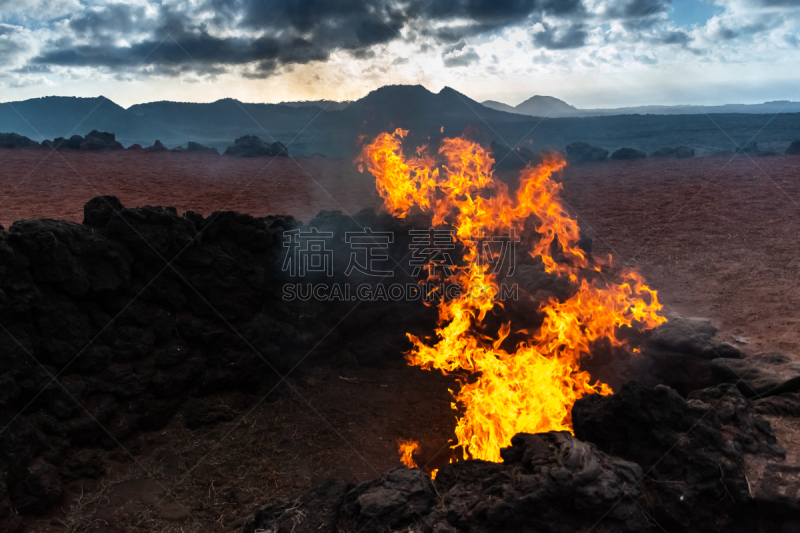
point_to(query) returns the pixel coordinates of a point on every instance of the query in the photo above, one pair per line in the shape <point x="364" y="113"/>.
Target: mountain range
<point x="548" y="106"/>
<point x="334" y="129"/>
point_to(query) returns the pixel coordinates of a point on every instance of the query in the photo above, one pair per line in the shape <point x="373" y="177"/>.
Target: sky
<point x="590" y="53"/>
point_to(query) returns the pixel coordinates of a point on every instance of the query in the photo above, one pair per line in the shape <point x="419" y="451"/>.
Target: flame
<point x="533" y="388"/>
<point x="407" y="449"/>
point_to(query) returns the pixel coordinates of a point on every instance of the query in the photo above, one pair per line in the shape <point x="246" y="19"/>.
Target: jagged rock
<point x="628" y="153"/>
<point x="100" y="140"/>
<point x="14" y="140"/>
<point x="761" y="375"/>
<point x="251" y="146"/>
<point x="39" y="489"/>
<point x="153" y="234"/>
<point x="580" y="152"/>
<point x="396" y="500"/>
<point x="692" y="450"/>
<point x="171" y="355"/>
<point x="199" y="148"/>
<point x="70" y="257"/>
<point x="98" y="210"/>
<point x="158" y="146"/>
<point x="60" y="143"/>
<point x="681" y="152"/>
<point x="546" y="482"/>
<point x="786" y="404"/>
<point x="131" y="343"/>
<point x="794" y="148"/>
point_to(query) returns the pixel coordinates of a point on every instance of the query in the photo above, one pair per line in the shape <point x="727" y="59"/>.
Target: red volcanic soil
<point x="42" y="184"/>
<point x="717" y="237"/>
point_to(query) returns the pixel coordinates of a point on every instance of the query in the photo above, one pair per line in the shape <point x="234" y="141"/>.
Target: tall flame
<point x="407" y="449"/>
<point x="534" y="388"/>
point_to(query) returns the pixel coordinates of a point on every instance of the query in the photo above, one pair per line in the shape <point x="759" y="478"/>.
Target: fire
<point x="407" y="449"/>
<point x="533" y="388"/>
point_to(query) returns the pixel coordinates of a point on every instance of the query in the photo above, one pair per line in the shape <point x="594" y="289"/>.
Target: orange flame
<point x="532" y="389"/>
<point x="407" y="449"/>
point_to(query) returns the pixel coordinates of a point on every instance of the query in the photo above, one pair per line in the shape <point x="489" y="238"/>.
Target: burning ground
<point x="174" y="363"/>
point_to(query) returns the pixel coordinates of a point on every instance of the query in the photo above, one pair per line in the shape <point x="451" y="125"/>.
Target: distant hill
<point x="327" y="105"/>
<point x="548" y="106"/>
<point x="338" y="130"/>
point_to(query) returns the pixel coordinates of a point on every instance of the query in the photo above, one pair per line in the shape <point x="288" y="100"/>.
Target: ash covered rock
<point x="760" y="375"/>
<point x="546" y="482"/>
<point x="693" y="451"/>
<point x="786" y="404"/>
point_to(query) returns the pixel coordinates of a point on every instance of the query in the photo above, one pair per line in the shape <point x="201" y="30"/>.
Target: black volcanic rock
<point x="98" y="210"/>
<point x="693" y="450"/>
<point x="100" y="140"/>
<point x="39" y="489"/>
<point x="628" y="153"/>
<point x="199" y="148"/>
<point x="794" y="148"/>
<point x="546" y="482"/>
<point x="14" y="140"/>
<point x="580" y="152"/>
<point x="251" y="146"/>
<point x="158" y="146"/>
<point x="60" y="143"/>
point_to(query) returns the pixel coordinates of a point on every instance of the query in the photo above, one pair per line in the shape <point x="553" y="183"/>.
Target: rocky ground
<point x="198" y="439"/>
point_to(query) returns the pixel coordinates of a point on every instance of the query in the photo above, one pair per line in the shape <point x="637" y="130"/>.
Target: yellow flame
<point x="407" y="449"/>
<point x="532" y="389"/>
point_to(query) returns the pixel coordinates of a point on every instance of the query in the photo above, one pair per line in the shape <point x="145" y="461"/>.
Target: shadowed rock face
<point x="794" y="148"/>
<point x="692" y="450"/>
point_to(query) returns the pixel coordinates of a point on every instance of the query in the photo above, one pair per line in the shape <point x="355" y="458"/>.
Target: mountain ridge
<point x="428" y="116"/>
<point x="549" y="106"/>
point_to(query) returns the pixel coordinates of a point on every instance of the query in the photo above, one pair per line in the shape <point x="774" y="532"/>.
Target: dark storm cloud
<point x="573" y="36"/>
<point x="487" y="16"/>
<point x="266" y="34"/>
